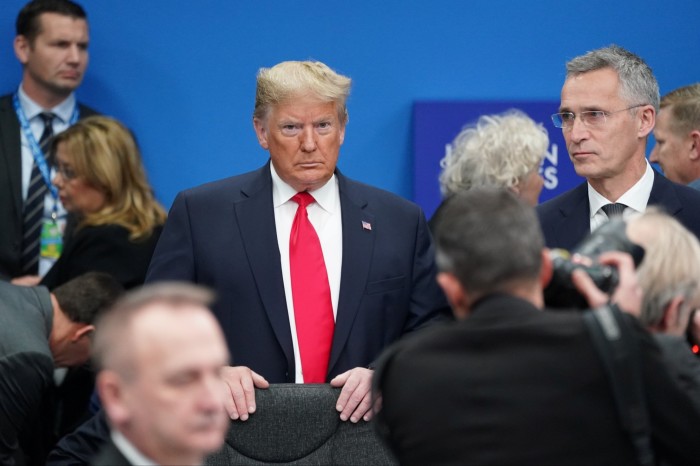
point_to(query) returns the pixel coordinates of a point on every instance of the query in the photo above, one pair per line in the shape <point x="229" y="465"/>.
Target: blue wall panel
<point x="181" y="74"/>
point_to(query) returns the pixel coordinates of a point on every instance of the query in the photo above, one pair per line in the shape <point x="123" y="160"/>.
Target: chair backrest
<point x="298" y="424"/>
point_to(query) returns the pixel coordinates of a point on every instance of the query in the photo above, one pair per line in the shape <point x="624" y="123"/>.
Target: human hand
<point x="627" y="295"/>
<point x="239" y="390"/>
<point x="26" y="280"/>
<point x="355" y="400"/>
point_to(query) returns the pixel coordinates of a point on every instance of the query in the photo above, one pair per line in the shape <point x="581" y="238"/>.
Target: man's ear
<point x="456" y="295"/>
<point x="21" y="46"/>
<point x="671" y="322"/>
<point x="110" y="387"/>
<point x="546" y="269"/>
<point x="261" y="132"/>
<point x="81" y="332"/>
<point x="647" y="120"/>
<point x="695" y="145"/>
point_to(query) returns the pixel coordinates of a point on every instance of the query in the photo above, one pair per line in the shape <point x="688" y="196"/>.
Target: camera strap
<point x="619" y="351"/>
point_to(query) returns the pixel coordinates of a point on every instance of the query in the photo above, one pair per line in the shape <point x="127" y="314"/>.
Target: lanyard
<point x="37" y="153"/>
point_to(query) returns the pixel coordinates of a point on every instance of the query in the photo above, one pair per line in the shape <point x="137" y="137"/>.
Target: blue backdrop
<point x="181" y="74"/>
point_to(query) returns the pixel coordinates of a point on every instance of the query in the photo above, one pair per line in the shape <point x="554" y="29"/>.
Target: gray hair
<point x="488" y="239"/>
<point x="671" y="264"/>
<point x="298" y="78"/>
<point x="498" y="150"/>
<point x="637" y="82"/>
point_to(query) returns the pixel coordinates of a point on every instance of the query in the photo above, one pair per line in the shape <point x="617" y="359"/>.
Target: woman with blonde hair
<point x="102" y="183"/>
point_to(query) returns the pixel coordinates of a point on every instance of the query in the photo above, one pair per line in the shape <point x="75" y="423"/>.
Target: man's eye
<point x="289" y="129"/>
<point x="567" y="117"/>
<point x="596" y="114"/>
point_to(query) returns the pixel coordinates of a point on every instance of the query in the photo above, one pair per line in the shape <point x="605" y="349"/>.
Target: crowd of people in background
<point x="439" y="332"/>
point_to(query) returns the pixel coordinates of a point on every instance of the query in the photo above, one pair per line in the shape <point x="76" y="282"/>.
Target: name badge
<point x="51" y="240"/>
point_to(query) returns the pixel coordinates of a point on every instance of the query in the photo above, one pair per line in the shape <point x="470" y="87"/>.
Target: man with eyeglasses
<point x="608" y="108"/>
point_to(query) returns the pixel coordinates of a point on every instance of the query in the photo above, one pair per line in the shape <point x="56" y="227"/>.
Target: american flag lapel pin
<point x="366" y="226"/>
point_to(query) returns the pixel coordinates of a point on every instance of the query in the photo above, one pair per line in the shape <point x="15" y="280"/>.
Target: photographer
<point x="669" y="276"/>
<point x="668" y="272"/>
<point x="508" y="383"/>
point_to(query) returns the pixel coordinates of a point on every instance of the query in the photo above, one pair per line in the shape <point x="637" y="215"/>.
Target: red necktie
<point x="313" y="311"/>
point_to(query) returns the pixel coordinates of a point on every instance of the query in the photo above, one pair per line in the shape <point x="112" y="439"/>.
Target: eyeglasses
<point x="590" y="118"/>
<point x="66" y="172"/>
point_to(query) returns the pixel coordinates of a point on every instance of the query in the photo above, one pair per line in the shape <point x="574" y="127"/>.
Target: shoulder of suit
<point x="86" y="111"/>
<point x="364" y="192"/>
<point x="563" y="199"/>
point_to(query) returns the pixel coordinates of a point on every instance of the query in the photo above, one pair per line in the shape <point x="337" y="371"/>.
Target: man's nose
<point x="308" y="140"/>
<point x="578" y="130"/>
<point x="74" y="54"/>
<point x="654" y="156"/>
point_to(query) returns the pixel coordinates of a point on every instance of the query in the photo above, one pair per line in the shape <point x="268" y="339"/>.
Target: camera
<point x="611" y="236"/>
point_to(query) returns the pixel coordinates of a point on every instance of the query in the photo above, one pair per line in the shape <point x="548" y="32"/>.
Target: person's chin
<point x="208" y="442"/>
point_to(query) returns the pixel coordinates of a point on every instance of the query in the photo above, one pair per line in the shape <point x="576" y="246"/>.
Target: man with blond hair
<point x="677" y="134"/>
<point x="242" y="236"/>
<point x="315" y="274"/>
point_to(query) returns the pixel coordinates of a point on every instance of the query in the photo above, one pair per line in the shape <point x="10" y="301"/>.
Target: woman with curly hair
<point x="503" y="150"/>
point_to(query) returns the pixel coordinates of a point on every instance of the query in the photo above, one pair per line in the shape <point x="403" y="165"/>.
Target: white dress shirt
<point x="636" y="199"/>
<point x="326" y="218"/>
<point x="129" y="451"/>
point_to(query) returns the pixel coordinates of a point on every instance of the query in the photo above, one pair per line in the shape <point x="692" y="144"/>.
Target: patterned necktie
<point x="313" y="311"/>
<point x="613" y="210"/>
<point x="33" y="211"/>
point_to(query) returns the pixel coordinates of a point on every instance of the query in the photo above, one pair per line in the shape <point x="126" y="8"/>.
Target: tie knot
<point x="303" y="199"/>
<point x="612" y="210"/>
<point x="47" y="118"/>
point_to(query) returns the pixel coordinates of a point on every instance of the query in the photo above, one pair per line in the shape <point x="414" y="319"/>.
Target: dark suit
<point x="11" y="202"/>
<point x="26" y="373"/>
<point x="512" y="384"/>
<point x="565" y="219"/>
<point x="110" y="455"/>
<point x="103" y="248"/>
<point x="223" y="235"/>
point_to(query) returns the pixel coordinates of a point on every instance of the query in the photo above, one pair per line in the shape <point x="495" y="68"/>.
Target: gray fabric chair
<point x="298" y="424"/>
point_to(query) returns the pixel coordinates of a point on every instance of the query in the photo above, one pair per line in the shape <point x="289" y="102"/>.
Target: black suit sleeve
<point x="80" y="447"/>
<point x="24" y="380"/>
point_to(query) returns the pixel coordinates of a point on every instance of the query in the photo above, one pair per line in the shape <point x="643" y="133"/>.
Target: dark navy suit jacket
<point x="565" y="219"/>
<point x="223" y="235"/>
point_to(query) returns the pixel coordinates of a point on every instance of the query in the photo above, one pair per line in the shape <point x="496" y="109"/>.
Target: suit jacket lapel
<point x="10" y="148"/>
<point x="256" y="222"/>
<point x="575" y="221"/>
<point x="358" y="245"/>
<point x="662" y="193"/>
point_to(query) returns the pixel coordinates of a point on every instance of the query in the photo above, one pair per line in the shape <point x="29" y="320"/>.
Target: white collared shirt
<point x="636" y="199"/>
<point x="326" y="218"/>
<point x="32" y="110"/>
<point x="129" y="451"/>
